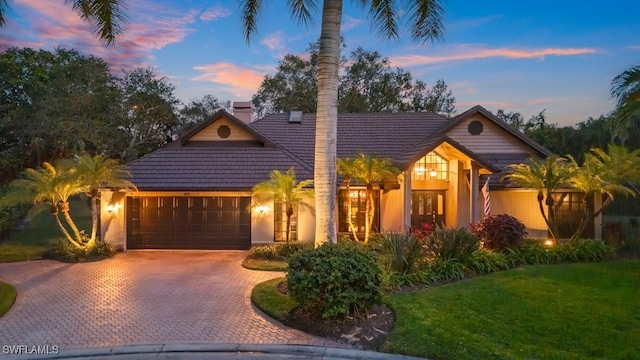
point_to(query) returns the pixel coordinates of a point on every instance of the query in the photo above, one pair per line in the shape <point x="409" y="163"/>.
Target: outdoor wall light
<point x="262" y="209"/>
<point x="111" y="207"/>
<point x="433" y="173"/>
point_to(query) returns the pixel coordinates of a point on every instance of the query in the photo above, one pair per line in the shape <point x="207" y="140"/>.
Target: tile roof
<point x="216" y="167"/>
<point x="186" y="165"/>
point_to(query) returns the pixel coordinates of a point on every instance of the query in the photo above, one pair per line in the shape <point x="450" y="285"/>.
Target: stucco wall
<point x="523" y="205"/>
<point x="392" y="210"/>
<point x="112" y="224"/>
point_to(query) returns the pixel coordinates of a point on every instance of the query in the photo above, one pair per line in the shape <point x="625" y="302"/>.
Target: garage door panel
<point x="188" y="222"/>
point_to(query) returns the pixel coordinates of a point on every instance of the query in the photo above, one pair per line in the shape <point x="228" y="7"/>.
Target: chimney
<point x="243" y="111"/>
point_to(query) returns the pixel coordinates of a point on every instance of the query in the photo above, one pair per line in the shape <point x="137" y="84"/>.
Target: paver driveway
<point x="140" y="297"/>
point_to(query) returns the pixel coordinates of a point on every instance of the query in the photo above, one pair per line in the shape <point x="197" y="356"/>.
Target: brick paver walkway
<point x="140" y="297"/>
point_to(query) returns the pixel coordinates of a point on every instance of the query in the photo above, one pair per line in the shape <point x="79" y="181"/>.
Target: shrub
<point x="335" y="279"/>
<point x="10" y="213"/>
<point x="499" y="232"/>
<point x="448" y="269"/>
<point x="587" y="250"/>
<point x="452" y="243"/>
<point x="484" y="261"/>
<point x="534" y="252"/>
<point x="278" y="252"/>
<point x="62" y="250"/>
<point x="399" y="251"/>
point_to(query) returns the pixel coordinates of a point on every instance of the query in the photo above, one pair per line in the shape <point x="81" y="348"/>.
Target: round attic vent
<point x="475" y="127"/>
<point x="224" y="131"/>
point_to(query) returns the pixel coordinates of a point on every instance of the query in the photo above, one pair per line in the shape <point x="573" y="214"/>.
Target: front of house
<point x="195" y="193"/>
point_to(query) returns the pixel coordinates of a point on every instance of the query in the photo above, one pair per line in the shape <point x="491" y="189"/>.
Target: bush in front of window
<point x="499" y="232"/>
<point x="278" y="252"/>
<point x="335" y="279"/>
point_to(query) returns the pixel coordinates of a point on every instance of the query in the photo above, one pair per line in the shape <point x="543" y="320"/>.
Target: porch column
<point x="474" y="181"/>
<point x="407" y="200"/>
<point x="597" y="221"/>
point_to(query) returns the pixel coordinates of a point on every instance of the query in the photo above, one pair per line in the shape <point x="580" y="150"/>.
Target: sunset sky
<point x="558" y="55"/>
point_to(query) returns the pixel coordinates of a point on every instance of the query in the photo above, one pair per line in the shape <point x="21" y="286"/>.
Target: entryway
<point x="427" y="206"/>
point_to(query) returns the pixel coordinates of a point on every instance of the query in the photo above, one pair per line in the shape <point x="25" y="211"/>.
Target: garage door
<point x="159" y="222"/>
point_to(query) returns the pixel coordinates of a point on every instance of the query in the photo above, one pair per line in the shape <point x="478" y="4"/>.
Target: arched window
<point x="431" y="167"/>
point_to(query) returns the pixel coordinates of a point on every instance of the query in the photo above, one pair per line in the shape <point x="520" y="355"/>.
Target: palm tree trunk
<point x="94" y="221"/>
<point x="589" y="218"/>
<point x="289" y="214"/>
<point x="63" y="229"/>
<point x="349" y="211"/>
<point x="371" y="211"/>
<point x="65" y="212"/>
<point x="327" y="123"/>
<point x="546" y="219"/>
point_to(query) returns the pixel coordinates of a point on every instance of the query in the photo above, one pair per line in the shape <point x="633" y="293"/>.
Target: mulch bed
<point x="367" y="332"/>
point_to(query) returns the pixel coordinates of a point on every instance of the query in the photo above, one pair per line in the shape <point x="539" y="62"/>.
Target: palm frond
<point x="383" y="15"/>
<point x="105" y="16"/>
<point x="4" y="8"/>
<point x="301" y="10"/>
<point x="250" y="9"/>
<point x="425" y="19"/>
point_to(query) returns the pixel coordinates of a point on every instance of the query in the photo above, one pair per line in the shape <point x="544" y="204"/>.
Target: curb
<point x="238" y="351"/>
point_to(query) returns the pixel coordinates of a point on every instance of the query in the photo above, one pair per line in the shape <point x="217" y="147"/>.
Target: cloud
<point x="215" y="13"/>
<point x="469" y="52"/>
<point x="486" y="103"/>
<point x="541" y="101"/>
<point x="242" y="82"/>
<point x="274" y="41"/>
<point x="634" y="47"/>
<point x="53" y="24"/>
<point x="350" y="22"/>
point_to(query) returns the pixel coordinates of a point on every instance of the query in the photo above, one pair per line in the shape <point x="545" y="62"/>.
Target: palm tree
<point x="96" y="172"/>
<point x="547" y="176"/>
<point x="425" y="19"/>
<point x="611" y="173"/>
<point x="105" y="16"/>
<point x="370" y="170"/>
<point x="50" y="187"/>
<point x="626" y="89"/>
<point x="348" y="168"/>
<point x="283" y="188"/>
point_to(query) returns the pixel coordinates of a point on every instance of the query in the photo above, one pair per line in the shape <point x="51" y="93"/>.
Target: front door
<point x="427" y="206"/>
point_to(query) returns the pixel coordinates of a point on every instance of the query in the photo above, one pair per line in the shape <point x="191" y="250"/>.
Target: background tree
<point x="547" y="177"/>
<point x="283" y="188"/>
<point x="615" y="172"/>
<point x="371" y="171"/>
<point x="197" y="111"/>
<point x="367" y="83"/>
<point x="105" y="16"/>
<point x="626" y="89"/>
<point x="148" y="117"/>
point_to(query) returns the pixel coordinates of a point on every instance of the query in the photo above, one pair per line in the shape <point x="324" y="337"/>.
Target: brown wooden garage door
<point x="159" y="222"/>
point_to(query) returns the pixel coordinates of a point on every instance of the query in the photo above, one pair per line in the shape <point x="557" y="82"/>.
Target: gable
<point x="222" y="129"/>
<point x="482" y="135"/>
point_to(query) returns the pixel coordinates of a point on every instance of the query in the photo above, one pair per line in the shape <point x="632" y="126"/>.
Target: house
<point x="195" y="193"/>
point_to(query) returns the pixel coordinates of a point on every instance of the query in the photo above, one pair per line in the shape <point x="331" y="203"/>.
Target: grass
<point x="267" y="298"/>
<point x="31" y="242"/>
<point x="567" y="311"/>
<point x="7" y="297"/>
<point x="265" y="265"/>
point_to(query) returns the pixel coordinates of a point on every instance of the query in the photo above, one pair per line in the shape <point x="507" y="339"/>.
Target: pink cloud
<point x="541" y="101"/>
<point x="242" y="81"/>
<point x="471" y="53"/>
<point x="215" y="13"/>
<point x="350" y="22"/>
<point x="274" y="41"/>
<point x="634" y="47"/>
<point x="486" y="103"/>
<point x="56" y="24"/>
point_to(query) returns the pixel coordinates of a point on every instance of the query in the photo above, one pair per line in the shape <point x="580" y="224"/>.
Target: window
<point x="280" y="219"/>
<point x="431" y="167"/>
<point x="356" y="199"/>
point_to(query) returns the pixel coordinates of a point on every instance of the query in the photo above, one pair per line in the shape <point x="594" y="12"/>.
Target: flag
<point x="487" y="198"/>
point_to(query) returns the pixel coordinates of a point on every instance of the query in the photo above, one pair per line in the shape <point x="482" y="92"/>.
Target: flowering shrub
<point x="499" y="232"/>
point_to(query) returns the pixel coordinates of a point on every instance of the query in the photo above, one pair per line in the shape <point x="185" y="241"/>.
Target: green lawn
<point x="568" y="311"/>
<point x="7" y="297"/>
<point x="271" y="301"/>
<point x="265" y="265"/>
<point x="31" y="242"/>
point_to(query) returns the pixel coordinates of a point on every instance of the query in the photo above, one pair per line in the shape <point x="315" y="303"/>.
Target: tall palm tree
<point x="96" y="172"/>
<point x="547" y="176"/>
<point x="106" y="17"/>
<point x="371" y="171"/>
<point x="283" y="188"/>
<point x="50" y="186"/>
<point x="424" y="18"/>
<point x="614" y="172"/>
<point x="626" y="89"/>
